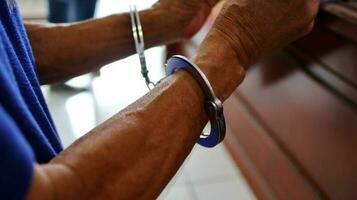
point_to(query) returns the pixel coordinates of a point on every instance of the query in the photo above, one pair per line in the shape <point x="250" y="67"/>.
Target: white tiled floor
<point x="207" y="174"/>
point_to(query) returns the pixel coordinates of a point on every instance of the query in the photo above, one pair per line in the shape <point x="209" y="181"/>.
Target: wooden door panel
<point x="331" y="51"/>
<point x="269" y="171"/>
<point x="315" y="127"/>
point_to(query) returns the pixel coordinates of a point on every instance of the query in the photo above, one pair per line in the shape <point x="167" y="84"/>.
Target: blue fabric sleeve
<point x="16" y="160"/>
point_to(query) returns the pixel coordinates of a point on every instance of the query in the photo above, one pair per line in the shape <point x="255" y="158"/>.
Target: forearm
<point x="66" y="50"/>
<point x="134" y="154"/>
<point x="131" y="156"/>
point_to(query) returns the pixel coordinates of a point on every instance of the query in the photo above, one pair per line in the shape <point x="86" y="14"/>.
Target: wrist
<point x="158" y="29"/>
<point x="220" y="63"/>
<point x="236" y="31"/>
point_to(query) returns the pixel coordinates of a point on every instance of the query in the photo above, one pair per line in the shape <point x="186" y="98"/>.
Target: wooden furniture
<point x="292" y="124"/>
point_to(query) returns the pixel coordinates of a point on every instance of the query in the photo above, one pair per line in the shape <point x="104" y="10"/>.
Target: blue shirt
<point x="27" y="132"/>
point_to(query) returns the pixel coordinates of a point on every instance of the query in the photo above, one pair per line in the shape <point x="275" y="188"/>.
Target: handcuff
<point x="140" y="45"/>
<point x="213" y="106"/>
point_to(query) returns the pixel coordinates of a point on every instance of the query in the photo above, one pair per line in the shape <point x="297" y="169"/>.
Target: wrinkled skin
<point x="253" y="28"/>
<point x="254" y="33"/>
<point x="129" y="156"/>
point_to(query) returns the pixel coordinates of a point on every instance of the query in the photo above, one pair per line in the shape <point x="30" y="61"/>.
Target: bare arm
<point x="64" y="51"/>
<point x="129" y="156"/>
<point x="67" y="50"/>
<point x="132" y="157"/>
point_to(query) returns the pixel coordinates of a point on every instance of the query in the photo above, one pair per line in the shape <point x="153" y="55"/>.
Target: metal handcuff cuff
<point x="213" y="105"/>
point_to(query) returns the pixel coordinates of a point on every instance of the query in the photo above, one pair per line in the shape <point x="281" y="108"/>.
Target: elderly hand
<point x="188" y="15"/>
<point x="257" y="28"/>
<point x="245" y="32"/>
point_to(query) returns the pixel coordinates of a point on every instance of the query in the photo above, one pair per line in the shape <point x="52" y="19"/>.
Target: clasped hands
<point x="253" y="28"/>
